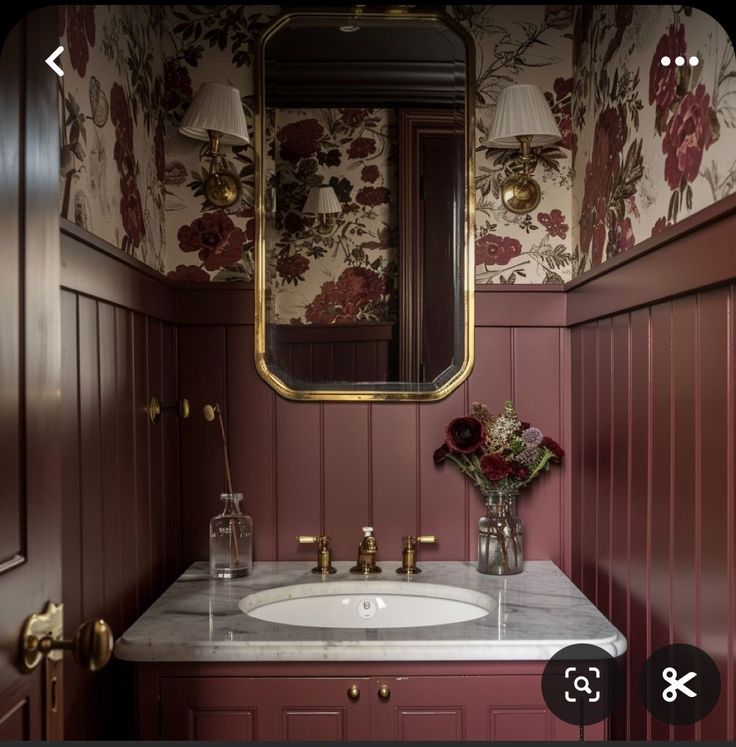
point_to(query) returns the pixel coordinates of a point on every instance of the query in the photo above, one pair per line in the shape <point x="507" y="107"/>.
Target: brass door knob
<point x="384" y="692"/>
<point x="353" y="692"/>
<point x="91" y="646"/>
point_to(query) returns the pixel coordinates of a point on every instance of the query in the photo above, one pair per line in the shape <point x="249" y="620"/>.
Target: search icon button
<point x="582" y="685"/>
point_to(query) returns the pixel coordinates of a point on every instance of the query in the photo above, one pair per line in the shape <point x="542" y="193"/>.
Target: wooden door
<point x="287" y="709"/>
<point x="30" y="555"/>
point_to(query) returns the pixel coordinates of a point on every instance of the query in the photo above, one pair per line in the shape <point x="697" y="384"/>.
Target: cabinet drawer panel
<point x="510" y="724"/>
<point x="219" y="724"/>
<point x="306" y="725"/>
<point x="430" y="724"/>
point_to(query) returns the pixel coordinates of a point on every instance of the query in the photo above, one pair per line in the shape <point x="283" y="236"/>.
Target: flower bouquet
<point x="501" y="455"/>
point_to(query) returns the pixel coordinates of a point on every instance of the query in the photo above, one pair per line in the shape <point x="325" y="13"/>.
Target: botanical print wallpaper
<point x="111" y="101"/>
<point x="349" y="274"/>
<point x="654" y="142"/>
<point x="522" y="44"/>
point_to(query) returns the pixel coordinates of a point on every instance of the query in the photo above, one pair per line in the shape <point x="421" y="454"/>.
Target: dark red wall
<point x="654" y="424"/>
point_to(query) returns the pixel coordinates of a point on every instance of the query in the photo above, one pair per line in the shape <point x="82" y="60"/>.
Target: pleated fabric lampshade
<point x="322" y="200"/>
<point x="523" y="110"/>
<point x="216" y="107"/>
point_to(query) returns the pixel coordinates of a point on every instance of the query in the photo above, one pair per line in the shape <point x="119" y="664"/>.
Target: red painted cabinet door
<point x="263" y="709"/>
<point x="507" y="707"/>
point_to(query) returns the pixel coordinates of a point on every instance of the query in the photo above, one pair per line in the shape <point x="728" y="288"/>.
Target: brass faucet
<point x="367" y="554"/>
<point x="409" y="553"/>
<point x="324" y="560"/>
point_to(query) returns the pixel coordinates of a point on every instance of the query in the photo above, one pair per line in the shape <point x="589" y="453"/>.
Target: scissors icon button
<point x="669" y="674"/>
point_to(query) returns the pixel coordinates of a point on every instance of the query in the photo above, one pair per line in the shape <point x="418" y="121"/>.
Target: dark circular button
<point x="680" y="684"/>
<point x="581" y="684"/>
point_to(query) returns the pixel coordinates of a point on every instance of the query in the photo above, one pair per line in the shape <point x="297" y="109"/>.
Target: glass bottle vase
<point x="231" y="540"/>
<point x="500" y="534"/>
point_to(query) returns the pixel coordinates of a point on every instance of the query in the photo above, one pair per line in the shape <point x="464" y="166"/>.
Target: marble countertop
<point x="535" y="614"/>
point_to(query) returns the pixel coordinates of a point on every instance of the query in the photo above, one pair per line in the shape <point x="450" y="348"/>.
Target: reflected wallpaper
<point x="643" y="145"/>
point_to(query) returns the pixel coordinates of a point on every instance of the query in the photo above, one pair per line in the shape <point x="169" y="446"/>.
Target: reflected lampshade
<point x="322" y="200"/>
<point x="523" y="110"/>
<point x="217" y="108"/>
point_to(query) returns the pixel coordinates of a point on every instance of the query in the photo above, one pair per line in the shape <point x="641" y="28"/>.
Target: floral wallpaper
<point x="522" y="44"/>
<point x="643" y="145"/>
<point x="112" y="123"/>
<point x="654" y="142"/>
<point x="349" y="274"/>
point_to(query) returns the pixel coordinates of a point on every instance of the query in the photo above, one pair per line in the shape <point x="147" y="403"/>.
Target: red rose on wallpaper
<point x="602" y="170"/>
<point x="296" y="222"/>
<point x="373" y="196"/>
<point x="663" y="79"/>
<point x="560" y="102"/>
<point x="131" y="209"/>
<point x="177" y="85"/>
<point x="554" y="222"/>
<point x="496" y="250"/>
<point x="300" y="139"/>
<point x="343" y="188"/>
<point x="189" y="274"/>
<point x="342" y="300"/>
<point x="660" y="225"/>
<point x="80" y="35"/>
<point x="689" y="133"/>
<point x="623" y="236"/>
<point x="292" y="268"/>
<point x="354" y="117"/>
<point x="215" y="237"/>
<point x="361" y="147"/>
<point x="369" y="173"/>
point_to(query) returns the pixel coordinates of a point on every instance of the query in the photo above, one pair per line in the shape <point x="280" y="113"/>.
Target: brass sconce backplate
<point x="520" y="193"/>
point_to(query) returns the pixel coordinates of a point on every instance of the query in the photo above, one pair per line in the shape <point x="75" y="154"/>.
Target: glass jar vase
<point x="500" y="534"/>
<point x="231" y="540"/>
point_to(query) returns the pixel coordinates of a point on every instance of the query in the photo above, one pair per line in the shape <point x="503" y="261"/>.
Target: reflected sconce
<point x="522" y="120"/>
<point x="216" y="115"/>
<point x="322" y="201"/>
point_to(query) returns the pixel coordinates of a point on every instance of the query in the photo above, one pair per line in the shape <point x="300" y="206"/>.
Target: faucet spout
<point x="367" y="549"/>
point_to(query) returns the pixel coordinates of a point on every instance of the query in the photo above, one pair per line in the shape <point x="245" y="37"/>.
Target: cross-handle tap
<point x="367" y="554"/>
<point x="324" y="559"/>
<point x="409" y="553"/>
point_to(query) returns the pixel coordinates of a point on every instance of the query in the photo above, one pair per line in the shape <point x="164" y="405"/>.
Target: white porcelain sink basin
<point x="367" y="604"/>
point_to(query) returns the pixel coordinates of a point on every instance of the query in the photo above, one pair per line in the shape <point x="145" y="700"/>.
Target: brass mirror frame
<point x="385" y="394"/>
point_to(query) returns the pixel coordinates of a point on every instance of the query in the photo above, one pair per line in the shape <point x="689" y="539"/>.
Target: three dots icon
<point x="680" y="61"/>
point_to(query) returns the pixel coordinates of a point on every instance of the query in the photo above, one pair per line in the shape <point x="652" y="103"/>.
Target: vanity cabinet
<point x="304" y="702"/>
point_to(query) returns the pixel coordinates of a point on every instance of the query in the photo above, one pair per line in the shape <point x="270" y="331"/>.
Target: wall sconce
<point x="216" y="114"/>
<point x="522" y="120"/>
<point x="322" y="201"/>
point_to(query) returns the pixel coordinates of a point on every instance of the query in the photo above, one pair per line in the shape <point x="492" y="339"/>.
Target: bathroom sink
<point x="367" y="604"/>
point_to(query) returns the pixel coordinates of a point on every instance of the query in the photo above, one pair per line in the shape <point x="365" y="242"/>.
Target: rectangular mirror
<point x="364" y="240"/>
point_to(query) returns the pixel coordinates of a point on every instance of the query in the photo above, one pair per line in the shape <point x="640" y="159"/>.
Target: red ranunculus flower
<point x="663" y="79"/>
<point x="554" y="222"/>
<point x="689" y="133"/>
<point x="215" y="237"/>
<point x="131" y="209"/>
<point x="361" y="147"/>
<point x="373" y="196"/>
<point x="300" y="139"/>
<point x="189" y="274"/>
<point x="292" y="268"/>
<point x="554" y="447"/>
<point x="495" y="467"/>
<point x="465" y="435"/>
<point x="369" y="173"/>
<point x="496" y="250"/>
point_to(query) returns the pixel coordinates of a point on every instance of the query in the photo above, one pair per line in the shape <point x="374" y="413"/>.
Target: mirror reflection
<point x="365" y="224"/>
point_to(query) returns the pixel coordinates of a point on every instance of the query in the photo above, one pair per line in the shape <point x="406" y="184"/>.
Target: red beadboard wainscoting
<point x="630" y="366"/>
<point x="653" y="450"/>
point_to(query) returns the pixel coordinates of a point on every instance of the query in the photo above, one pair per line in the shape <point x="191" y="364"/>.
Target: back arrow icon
<point x="50" y="61"/>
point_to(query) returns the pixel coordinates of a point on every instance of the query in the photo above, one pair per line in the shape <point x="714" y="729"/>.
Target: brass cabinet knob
<point x="353" y="692"/>
<point x="91" y="646"/>
<point x="384" y="692"/>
